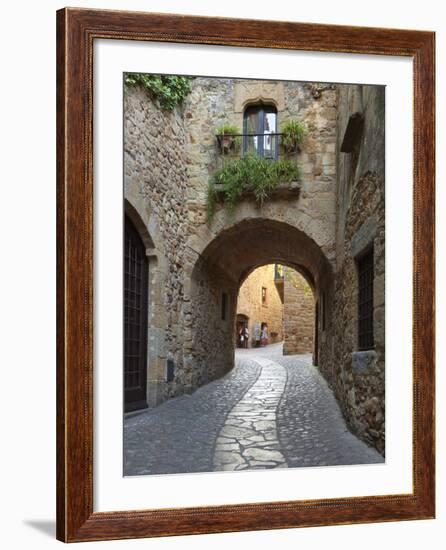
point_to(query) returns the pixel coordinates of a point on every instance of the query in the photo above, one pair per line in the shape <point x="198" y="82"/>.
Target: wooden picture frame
<point x="76" y="31"/>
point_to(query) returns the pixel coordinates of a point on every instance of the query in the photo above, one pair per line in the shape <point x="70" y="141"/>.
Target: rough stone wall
<point x="213" y="102"/>
<point x="155" y="185"/>
<point x="298" y="314"/>
<point x="208" y="330"/>
<point x="313" y="211"/>
<point x="250" y="304"/>
<point x="169" y="157"/>
<point x="205" y="108"/>
<point x="359" y="375"/>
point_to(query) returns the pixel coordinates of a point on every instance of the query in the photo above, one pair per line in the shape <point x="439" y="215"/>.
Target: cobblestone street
<point x="270" y="411"/>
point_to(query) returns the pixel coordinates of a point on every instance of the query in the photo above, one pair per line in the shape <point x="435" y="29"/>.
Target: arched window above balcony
<point x="260" y="131"/>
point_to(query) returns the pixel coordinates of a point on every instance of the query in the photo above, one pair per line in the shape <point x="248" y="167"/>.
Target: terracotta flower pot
<point x="226" y="143"/>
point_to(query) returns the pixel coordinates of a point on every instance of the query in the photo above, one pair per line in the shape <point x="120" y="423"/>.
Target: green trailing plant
<point x="225" y="129"/>
<point x="169" y="90"/>
<point x="248" y="174"/>
<point x="293" y="133"/>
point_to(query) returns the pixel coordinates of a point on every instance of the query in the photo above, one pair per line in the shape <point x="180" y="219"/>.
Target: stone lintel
<point x="246" y="93"/>
<point x="364" y="237"/>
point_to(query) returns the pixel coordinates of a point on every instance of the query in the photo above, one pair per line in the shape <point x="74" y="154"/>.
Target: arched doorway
<point x="241" y="331"/>
<point x="135" y="319"/>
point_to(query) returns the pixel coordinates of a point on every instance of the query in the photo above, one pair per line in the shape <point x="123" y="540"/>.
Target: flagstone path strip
<point x="248" y="438"/>
<point x="179" y="435"/>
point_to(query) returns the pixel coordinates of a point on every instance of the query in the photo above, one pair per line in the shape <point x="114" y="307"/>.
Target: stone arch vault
<point x="219" y="267"/>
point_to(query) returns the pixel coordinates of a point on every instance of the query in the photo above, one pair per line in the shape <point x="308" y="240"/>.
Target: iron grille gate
<point x="135" y="319"/>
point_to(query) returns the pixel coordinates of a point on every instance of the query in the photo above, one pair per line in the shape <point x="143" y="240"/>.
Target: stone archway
<point x="221" y="264"/>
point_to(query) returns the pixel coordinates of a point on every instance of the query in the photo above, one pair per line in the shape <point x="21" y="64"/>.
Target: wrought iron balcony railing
<point x="267" y="145"/>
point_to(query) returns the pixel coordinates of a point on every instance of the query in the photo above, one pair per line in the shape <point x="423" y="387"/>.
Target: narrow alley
<point x="270" y="411"/>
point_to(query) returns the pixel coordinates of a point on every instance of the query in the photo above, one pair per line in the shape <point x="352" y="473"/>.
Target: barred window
<point x="365" y="301"/>
<point x="323" y="311"/>
<point x="224" y="305"/>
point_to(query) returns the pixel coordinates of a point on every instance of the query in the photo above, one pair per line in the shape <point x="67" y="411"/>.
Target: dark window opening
<point x="224" y="305"/>
<point x="365" y="301"/>
<point x="316" y="335"/>
<point x="260" y="131"/>
<point x="170" y="370"/>
<point x="263" y="295"/>
<point x="323" y="311"/>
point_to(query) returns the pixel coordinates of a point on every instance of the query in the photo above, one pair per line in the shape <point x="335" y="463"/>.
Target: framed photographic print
<point x="245" y="275"/>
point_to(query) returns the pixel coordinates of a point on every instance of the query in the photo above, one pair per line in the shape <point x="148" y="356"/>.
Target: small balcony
<point x="265" y="145"/>
<point x="255" y="166"/>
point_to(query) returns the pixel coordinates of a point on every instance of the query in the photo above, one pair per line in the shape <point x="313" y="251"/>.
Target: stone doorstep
<point x="283" y="190"/>
<point x="137" y="412"/>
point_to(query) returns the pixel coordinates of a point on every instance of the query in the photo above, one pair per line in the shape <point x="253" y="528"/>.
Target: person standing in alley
<point x="246" y="332"/>
<point x="257" y="334"/>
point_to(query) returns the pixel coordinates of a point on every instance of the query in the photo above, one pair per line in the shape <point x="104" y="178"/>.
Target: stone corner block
<point x="362" y="361"/>
<point x="364" y="236"/>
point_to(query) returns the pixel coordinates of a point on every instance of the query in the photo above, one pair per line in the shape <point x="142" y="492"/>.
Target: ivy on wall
<point x="169" y="90"/>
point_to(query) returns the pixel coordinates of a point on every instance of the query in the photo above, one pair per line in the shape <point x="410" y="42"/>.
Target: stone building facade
<point x="259" y="301"/>
<point x="298" y="314"/>
<point x="282" y="299"/>
<point x="359" y="374"/>
<point x="196" y="265"/>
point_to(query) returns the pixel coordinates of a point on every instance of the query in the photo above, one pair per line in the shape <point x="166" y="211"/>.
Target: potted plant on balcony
<point x="228" y="137"/>
<point x="292" y="135"/>
<point x="250" y="175"/>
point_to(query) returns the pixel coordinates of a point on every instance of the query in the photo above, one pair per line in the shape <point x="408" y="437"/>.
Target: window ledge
<point x="283" y="190"/>
<point x="363" y="360"/>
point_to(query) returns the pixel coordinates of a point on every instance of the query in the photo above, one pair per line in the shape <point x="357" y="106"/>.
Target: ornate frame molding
<point x="76" y="31"/>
